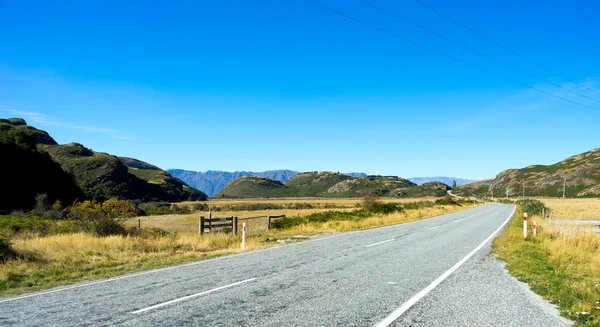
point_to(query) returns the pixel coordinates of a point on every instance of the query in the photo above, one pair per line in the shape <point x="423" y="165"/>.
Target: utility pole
<point x="564" y="190"/>
<point x="523" y="191"/>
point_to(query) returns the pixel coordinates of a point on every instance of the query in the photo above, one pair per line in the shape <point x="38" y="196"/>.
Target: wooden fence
<point x="217" y="224"/>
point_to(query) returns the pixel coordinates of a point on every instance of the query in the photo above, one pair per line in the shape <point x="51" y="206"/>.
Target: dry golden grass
<point x="561" y="264"/>
<point x="317" y="202"/>
<point x="69" y="258"/>
<point x="574" y="209"/>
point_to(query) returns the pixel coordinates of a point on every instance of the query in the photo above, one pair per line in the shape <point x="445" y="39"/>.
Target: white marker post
<point x="525" y="225"/>
<point x="243" y="235"/>
<point x="534" y="229"/>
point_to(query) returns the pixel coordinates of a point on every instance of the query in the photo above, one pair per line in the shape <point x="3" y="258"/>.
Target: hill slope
<point x="328" y="184"/>
<point x="582" y="173"/>
<point x="27" y="171"/>
<point x="37" y="164"/>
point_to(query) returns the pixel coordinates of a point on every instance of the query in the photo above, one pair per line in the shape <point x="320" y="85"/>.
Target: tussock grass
<point x="64" y="259"/>
<point x="562" y="266"/>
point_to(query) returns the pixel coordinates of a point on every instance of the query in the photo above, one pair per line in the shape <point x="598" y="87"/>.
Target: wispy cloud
<point x="44" y="119"/>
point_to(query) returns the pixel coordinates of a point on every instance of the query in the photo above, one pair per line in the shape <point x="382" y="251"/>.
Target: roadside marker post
<point x="244" y="235"/>
<point x="534" y="229"/>
<point x="525" y="225"/>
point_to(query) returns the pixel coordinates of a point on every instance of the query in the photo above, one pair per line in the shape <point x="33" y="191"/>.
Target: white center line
<point x="192" y="296"/>
<point x="434" y="227"/>
<point x="408" y="304"/>
<point x="368" y="246"/>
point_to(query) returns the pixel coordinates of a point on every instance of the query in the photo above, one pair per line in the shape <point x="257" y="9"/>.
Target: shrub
<point x="386" y="208"/>
<point x="533" y="207"/>
<point x="6" y="251"/>
<point x="103" y="219"/>
<point x="200" y="207"/>
<point x="447" y="200"/>
<point x="371" y="201"/>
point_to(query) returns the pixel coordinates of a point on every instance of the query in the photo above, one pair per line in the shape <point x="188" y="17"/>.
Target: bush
<point x="447" y="200"/>
<point x="103" y="219"/>
<point x="533" y="207"/>
<point x="386" y="208"/>
<point x="371" y="201"/>
<point x="6" y="251"/>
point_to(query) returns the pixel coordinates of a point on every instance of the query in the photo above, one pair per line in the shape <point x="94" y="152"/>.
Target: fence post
<point x="534" y="228"/>
<point x="234" y="227"/>
<point x="139" y="224"/>
<point x="525" y="225"/>
<point x="544" y="213"/>
<point x="243" y="235"/>
<point x="268" y="223"/>
<point x="201" y="225"/>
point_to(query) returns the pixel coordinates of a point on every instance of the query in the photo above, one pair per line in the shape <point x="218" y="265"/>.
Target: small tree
<point x="103" y="219"/>
<point x="453" y="184"/>
<point x="42" y="204"/>
<point x="371" y="202"/>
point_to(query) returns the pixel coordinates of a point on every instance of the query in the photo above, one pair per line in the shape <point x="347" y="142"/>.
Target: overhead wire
<point x="446" y="55"/>
<point x="503" y="46"/>
<point x="406" y="20"/>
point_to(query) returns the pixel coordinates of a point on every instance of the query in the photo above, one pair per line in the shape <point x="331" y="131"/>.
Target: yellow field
<point x="574" y="209"/>
<point x="190" y="222"/>
<point x="341" y="202"/>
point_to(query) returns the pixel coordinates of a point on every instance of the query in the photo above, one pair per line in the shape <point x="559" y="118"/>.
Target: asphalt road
<point x="433" y="272"/>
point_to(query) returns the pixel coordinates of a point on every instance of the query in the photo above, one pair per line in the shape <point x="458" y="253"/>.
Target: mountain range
<point x="213" y="181"/>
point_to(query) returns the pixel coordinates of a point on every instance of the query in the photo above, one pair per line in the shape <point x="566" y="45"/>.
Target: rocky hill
<point x="582" y="173"/>
<point x="71" y="171"/>
<point x="329" y="184"/>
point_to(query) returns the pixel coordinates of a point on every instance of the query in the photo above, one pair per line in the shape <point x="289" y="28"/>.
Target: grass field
<point x="574" y="209"/>
<point x="561" y="265"/>
<point x="69" y="258"/>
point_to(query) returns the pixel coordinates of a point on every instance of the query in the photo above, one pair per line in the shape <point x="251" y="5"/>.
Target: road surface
<point x="434" y="272"/>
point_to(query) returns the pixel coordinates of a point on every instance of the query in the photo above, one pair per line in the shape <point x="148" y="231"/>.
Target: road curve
<point x="347" y="279"/>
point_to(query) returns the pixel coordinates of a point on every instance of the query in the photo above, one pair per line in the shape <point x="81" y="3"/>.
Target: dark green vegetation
<point x="582" y="173"/>
<point x="328" y="184"/>
<point x="34" y="163"/>
<point x="28" y="171"/>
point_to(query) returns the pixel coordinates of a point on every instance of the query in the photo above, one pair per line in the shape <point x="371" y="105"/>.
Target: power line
<point x="503" y="46"/>
<point x="474" y="50"/>
<point x="446" y="55"/>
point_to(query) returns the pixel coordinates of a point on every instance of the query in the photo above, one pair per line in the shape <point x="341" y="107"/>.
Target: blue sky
<point x="258" y="85"/>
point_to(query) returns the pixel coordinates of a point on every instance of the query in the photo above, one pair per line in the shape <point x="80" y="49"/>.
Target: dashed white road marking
<point x="192" y="296"/>
<point x="370" y="245"/>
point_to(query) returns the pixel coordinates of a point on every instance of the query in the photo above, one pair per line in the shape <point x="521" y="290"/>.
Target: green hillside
<point x="479" y="188"/>
<point x="28" y="171"/>
<point x="71" y="171"/>
<point x="328" y="184"/>
<point x="582" y="173"/>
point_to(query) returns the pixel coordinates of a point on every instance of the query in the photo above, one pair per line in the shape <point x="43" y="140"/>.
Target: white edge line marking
<point x="408" y="304"/>
<point x="434" y="227"/>
<point x="195" y="263"/>
<point x="191" y="296"/>
<point x="368" y="246"/>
